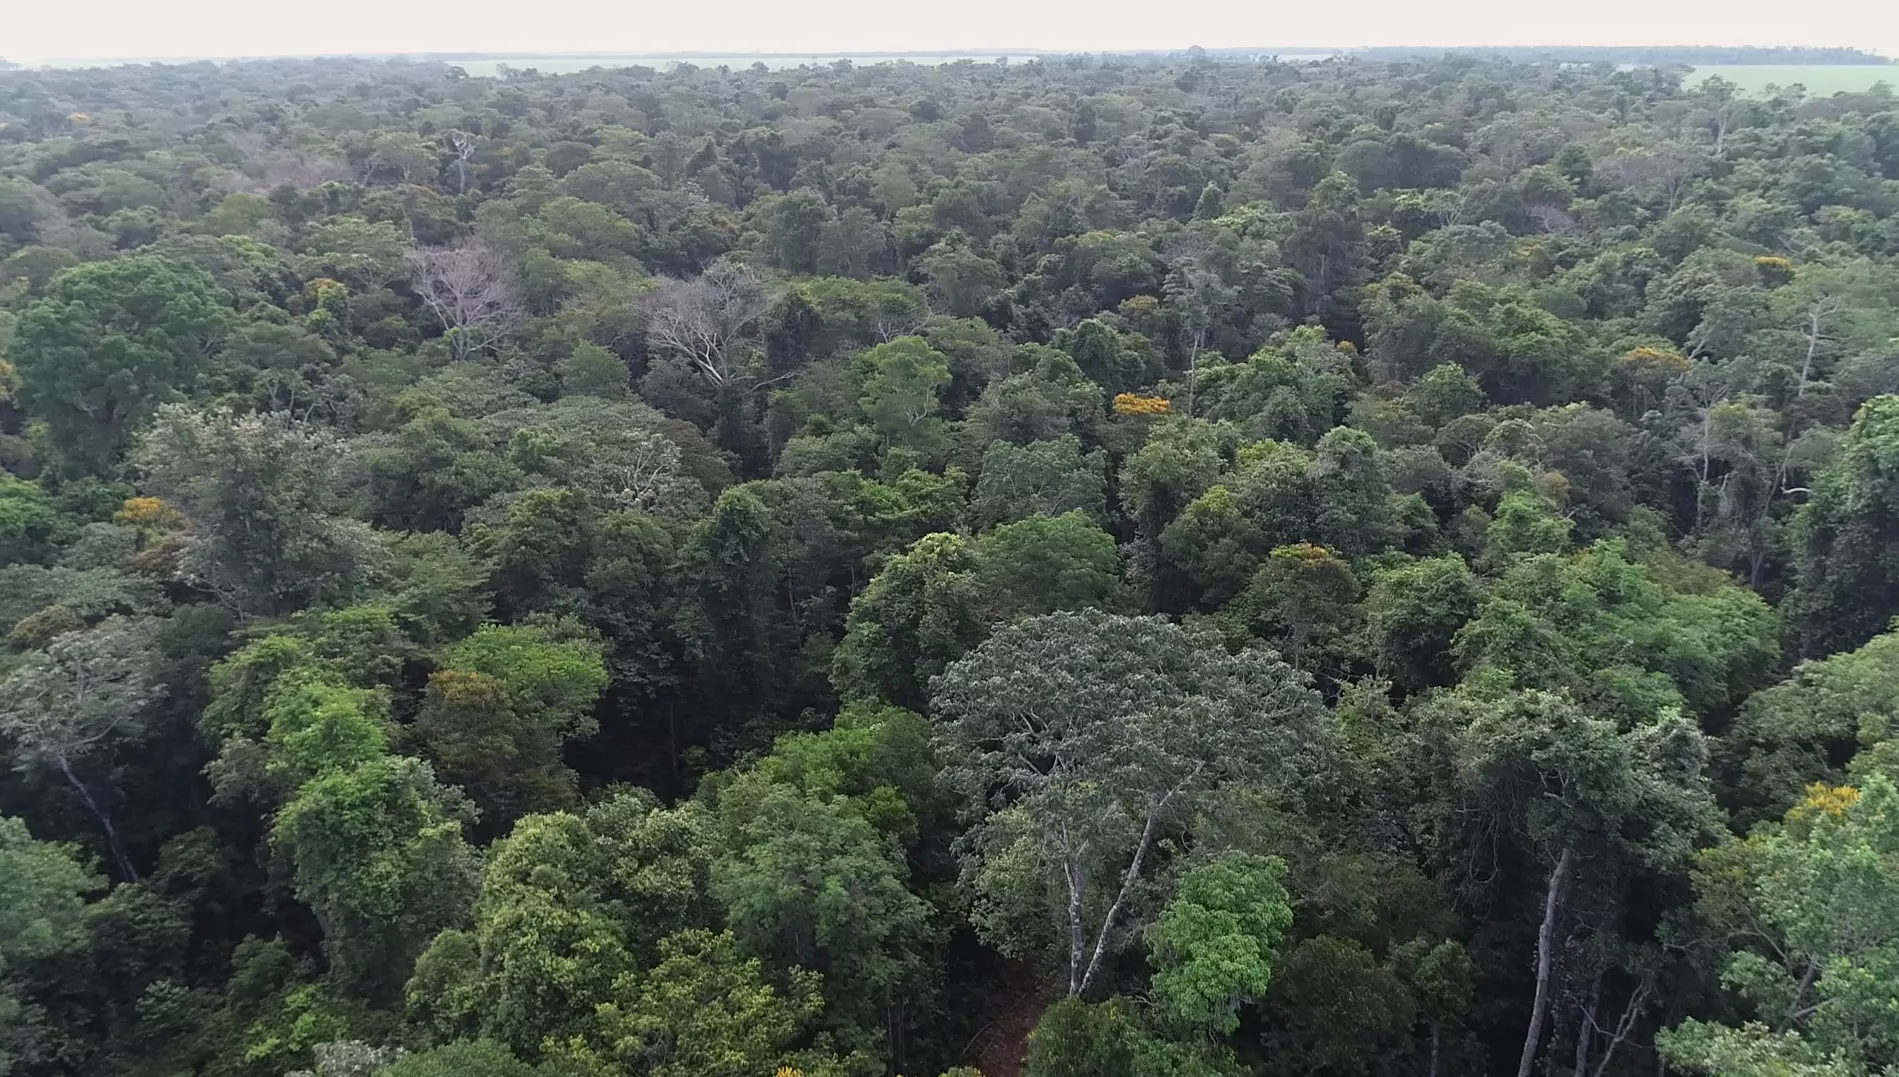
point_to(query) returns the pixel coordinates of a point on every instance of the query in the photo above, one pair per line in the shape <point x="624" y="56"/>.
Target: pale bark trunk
<point x="1545" y="942"/>
<point x="1127" y="886"/>
<point x="1077" y="942"/>
<point x="105" y="821"/>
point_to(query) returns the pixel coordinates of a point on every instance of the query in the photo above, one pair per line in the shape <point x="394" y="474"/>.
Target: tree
<point x="1048" y="563"/>
<point x="1846" y="583"/>
<point x="919" y="614"/>
<point x="1213" y="946"/>
<point x="494" y="721"/>
<point x="1806" y="728"/>
<point x="1049" y="400"/>
<point x="109" y="343"/>
<point x="31" y="525"/>
<point x="1334" y="1008"/>
<point x="811" y="884"/>
<point x="1817" y="910"/>
<point x="379" y="858"/>
<point x="1589" y="801"/>
<point x="593" y="371"/>
<point x="709" y="322"/>
<point x="1043" y="477"/>
<point x="262" y="495"/>
<point x="1085" y="738"/>
<point x="1414" y="612"/>
<point x="470" y="290"/>
<point x="1078" y="1039"/>
<point x="42" y="915"/>
<point x="731" y="573"/>
<point x="318" y="725"/>
<point x="569" y="903"/>
<point x="463" y="1058"/>
<point x="1181" y="461"/>
<point x="799" y="221"/>
<point x="1303" y="601"/>
<point x="1440" y="978"/>
<point x="83" y="692"/>
<point x="552" y="672"/>
<point x="470" y="729"/>
<point x="705" y="1011"/>
<point x="901" y="380"/>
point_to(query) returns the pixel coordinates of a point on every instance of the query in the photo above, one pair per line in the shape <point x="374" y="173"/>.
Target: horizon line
<point x="451" y="55"/>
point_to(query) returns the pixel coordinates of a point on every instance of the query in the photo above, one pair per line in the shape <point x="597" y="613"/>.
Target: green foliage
<point x="317" y="726"/>
<point x="1414" y="612"/>
<point x="42" y="914"/>
<point x="901" y="381"/>
<point x="703" y="1011"/>
<point x="379" y="857"/>
<point x="552" y="681"/>
<point x="810" y="883"/>
<point x="1815" y="909"/>
<point x="1805" y="728"/>
<point x="1042" y="477"/>
<point x="1214" y="944"/>
<point x="1079" y="1039"/>
<point x="787" y="441"/>
<point x="1095" y="753"/>
<point x="1334" y="1009"/>
<point x="917" y="616"/>
<point x="262" y="496"/>
<point x="1847" y="587"/>
<point x="31" y="526"/>
<point x="568" y="904"/>
<point x="593" y="371"/>
<point x="109" y="342"/>
<point x="1047" y="563"/>
<point x="464" y="1058"/>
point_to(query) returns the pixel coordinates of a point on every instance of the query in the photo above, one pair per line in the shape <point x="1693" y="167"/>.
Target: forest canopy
<point x="1089" y="567"/>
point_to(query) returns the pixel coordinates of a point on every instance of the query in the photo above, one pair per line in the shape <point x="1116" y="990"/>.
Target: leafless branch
<point x="470" y="290"/>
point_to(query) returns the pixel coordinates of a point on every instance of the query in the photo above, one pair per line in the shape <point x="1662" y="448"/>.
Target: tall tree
<point x="1846" y="538"/>
<point x="78" y="698"/>
<point x="109" y="343"/>
<point x="263" y="497"/>
<point x="1081" y="740"/>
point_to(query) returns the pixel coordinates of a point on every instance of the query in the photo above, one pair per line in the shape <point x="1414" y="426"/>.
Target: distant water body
<point x="492" y="66"/>
<point x="556" y="65"/>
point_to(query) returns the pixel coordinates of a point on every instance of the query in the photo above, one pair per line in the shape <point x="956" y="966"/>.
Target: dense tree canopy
<point x="1183" y="566"/>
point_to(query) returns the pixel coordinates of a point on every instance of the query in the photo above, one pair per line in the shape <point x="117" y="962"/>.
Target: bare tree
<point x="708" y="321"/>
<point x="470" y="290"/>
<point x="1555" y="220"/>
<point x="1668" y="166"/>
<point x="463" y="145"/>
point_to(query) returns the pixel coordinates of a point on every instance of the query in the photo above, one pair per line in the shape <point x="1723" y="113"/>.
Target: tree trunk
<point x="1127" y="886"/>
<point x="1586" y="1026"/>
<point x="1431" y="1070"/>
<point x="1077" y="941"/>
<point x="112" y="836"/>
<point x="1813" y="345"/>
<point x="1545" y="940"/>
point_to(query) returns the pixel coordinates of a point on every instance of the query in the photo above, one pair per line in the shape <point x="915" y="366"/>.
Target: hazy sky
<point x="35" y="30"/>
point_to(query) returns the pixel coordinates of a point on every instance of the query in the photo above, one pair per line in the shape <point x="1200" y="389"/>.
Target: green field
<point x="1822" y="80"/>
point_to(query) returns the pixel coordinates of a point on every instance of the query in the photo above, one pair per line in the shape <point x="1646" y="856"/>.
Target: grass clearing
<point x="1821" y="80"/>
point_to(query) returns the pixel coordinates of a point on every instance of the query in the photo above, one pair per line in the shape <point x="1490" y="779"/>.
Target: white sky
<point x="38" y="30"/>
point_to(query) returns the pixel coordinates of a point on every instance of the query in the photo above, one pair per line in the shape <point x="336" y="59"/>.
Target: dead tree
<point x="470" y="290"/>
<point x="462" y="145"/>
<point x="708" y="321"/>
